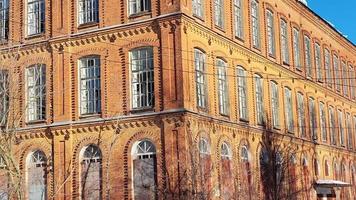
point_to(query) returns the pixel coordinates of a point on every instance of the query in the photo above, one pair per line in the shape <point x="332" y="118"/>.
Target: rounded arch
<point x="36" y="175"/>
<point x="143" y="148"/>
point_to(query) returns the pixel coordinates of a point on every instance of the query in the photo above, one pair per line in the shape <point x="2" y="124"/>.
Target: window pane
<point x="238" y="18"/>
<point x="222" y="87"/>
<point x="35" y="17"/>
<point x="88" y="11"/>
<point x="36" y="92"/>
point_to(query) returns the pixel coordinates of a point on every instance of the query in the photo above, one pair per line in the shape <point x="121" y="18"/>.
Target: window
<point x="349" y="131"/>
<point x="227" y="183"/>
<point x="144" y="170"/>
<point x="319" y="71"/>
<point x="4" y="19"/>
<point x="35" y="17"/>
<point x="352" y="82"/>
<point x="222" y="87"/>
<point x="336" y="171"/>
<point x="238" y="20"/>
<point x="139" y="6"/>
<point x="328" y="67"/>
<point x="245" y="175"/>
<point x="332" y="126"/>
<point x="345" y="77"/>
<point x="270" y="33"/>
<point x="354" y="119"/>
<point x="91" y="175"/>
<point x="296" y="49"/>
<point x="288" y="105"/>
<point x="284" y="42"/>
<point x="36" y="176"/>
<point x="341" y="127"/>
<point x="308" y="63"/>
<point x="316" y="167"/>
<point x="301" y="114"/>
<point x="242" y="92"/>
<point x="337" y="72"/>
<point x="90" y="92"/>
<point x="142" y="78"/>
<point x="88" y="11"/>
<point x="4" y="96"/>
<point x="275" y="104"/>
<point x="36" y="92"/>
<point x="322" y="121"/>
<point x="255" y="24"/>
<point x="259" y="99"/>
<point x="312" y="119"/>
<point x="219" y="13"/>
<point x="205" y="164"/>
<point x="201" y="88"/>
<point x="198" y="8"/>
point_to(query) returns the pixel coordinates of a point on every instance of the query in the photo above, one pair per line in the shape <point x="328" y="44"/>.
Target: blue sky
<point x="341" y="13"/>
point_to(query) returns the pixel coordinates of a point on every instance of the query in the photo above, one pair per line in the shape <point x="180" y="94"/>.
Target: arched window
<point x="316" y="167"/>
<point x="306" y="177"/>
<point x="144" y="170"/>
<point x="336" y="171"/>
<point x="292" y="176"/>
<point x="246" y="178"/>
<point x="36" y="92"/>
<point x="37" y="176"/>
<point x="223" y="92"/>
<point x="255" y="24"/>
<point x="200" y="78"/>
<point x="242" y="90"/>
<point x="205" y="167"/>
<point x="259" y="99"/>
<point x="35" y="17"/>
<point x="91" y="174"/>
<point x="227" y="183"/>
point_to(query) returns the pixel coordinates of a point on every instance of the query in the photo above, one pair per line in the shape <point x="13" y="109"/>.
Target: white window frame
<point x="345" y="78"/>
<point x="301" y="114"/>
<point x="275" y="104"/>
<point x="226" y="153"/>
<point x="312" y="119"/>
<point x="296" y="49"/>
<point x="337" y="73"/>
<point x="89" y="85"/>
<point x="308" y="57"/>
<point x="223" y="92"/>
<point x="284" y="42"/>
<point x="139" y="6"/>
<point x="142" y="78"/>
<point x="271" y="47"/>
<point x="198" y="8"/>
<point x="340" y="120"/>
<point x="238" y="18"/>
<point x="88" y="11"/>
<point x="36" y="92"/>
<point x="200" y="78"/>
<point x="349" y="131"/>
<point x="333" y="130"/>
<point x="288" y="104"/>
<point x="242" y="93"/>
<point x="255" y="24"/>
<point x="219" y="13"/>
<point x="322" y="115"/>
<point x="4" y="19"/>
<point x="319" y="71"/>
<point x="35" y="17"/>
<point x="327" y="61"/>
<point x="259" y="99"/>
<point x="36" y="159"/>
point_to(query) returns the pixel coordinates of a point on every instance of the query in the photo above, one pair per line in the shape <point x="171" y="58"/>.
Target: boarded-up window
<point x="37" y="176"/>
<point x="227" y="183"/>
<point x="91" y="173"/>
<point x="144" y="170"/>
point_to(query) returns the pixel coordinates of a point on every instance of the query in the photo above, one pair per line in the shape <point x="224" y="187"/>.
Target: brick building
<point x="143" y="99"/>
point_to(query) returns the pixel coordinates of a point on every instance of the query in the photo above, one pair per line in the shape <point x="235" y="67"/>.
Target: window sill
<point x="34" y="36"/>
<point x="89" y="115"/>
<point x="272" y="56"/>
<point x="201" y="18"/>
<point x="201" y="109"/>
<point x="88" y="25"/>
<point x="35" y="122"/>
<point x="286" y="64"/>
<point x="244" y="120"/>
<point x="140" y="14"/>
<point x="239" y="39"/>
<point x="299" y="69"/>
<point x="141" y="110"/>
<point x="220" y="28"/>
